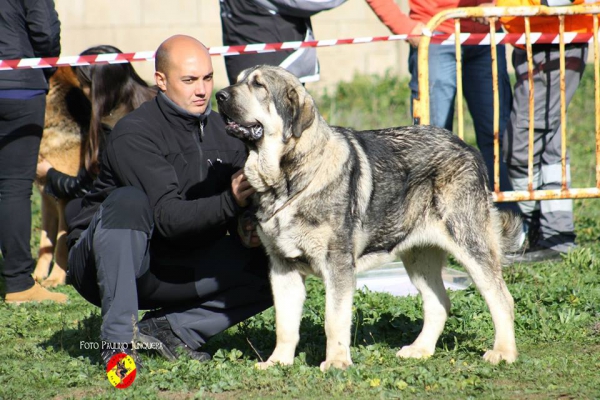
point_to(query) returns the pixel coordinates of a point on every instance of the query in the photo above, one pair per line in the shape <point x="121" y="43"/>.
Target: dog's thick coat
<point x="333" y="202"/>
<point x="66" y="121"/>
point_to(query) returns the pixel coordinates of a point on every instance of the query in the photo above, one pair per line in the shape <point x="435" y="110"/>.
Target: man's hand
<point x="417" y="31"/>
<point x="247" y="230"/>
<point x="42" y="169"/>
<point x="241" y="188"/>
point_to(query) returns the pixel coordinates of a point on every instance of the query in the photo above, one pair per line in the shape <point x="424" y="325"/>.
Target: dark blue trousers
<point x="201" y="293"/>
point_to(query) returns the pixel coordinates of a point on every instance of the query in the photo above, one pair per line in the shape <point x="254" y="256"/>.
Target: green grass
<point x="557" y="318"/>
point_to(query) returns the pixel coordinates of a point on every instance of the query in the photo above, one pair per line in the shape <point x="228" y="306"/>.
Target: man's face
<point x="188" y="80"/>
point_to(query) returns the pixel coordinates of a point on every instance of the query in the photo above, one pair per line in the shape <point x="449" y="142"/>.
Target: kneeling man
<point x="153" y="234"/>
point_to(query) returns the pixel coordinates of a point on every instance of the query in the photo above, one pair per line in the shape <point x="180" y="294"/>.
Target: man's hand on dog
<point x="241" y="188"/>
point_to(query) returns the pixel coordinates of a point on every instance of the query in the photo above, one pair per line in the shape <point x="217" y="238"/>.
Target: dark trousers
<point x="21" y="127"/>
<point x="201" y="293"/>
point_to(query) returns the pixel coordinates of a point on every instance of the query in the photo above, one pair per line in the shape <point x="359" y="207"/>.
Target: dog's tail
<point x="511" y="231"/>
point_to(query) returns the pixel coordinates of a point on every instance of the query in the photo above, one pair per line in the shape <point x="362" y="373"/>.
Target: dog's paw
<point x="269" y="363"/>
<point x="339" y="364"/>
<point x="264" y="365"/>
<point x="495" y="356"/>
<point x="42" y="268"/>
<point x="53" y="282"/>
<point x="414" y="352"/>
<point x="39" y="276"/>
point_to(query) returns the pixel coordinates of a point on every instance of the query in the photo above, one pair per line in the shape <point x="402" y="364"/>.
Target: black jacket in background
<point x="28" y="28"/>
<point x="160" y="149"/>
<point x="245" y="22"/>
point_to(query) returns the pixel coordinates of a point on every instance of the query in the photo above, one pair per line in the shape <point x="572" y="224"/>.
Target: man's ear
<point x="161" y="80"/>
<point x="302" y="112"/>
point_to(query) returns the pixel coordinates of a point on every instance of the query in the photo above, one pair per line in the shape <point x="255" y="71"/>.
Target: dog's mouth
<point x="252" y="132"/>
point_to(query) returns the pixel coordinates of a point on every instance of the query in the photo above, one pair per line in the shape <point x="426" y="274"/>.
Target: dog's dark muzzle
<point x="251" y="133"/>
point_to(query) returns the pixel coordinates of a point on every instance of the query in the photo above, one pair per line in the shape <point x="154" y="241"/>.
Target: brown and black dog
<point x="66" y="124"/>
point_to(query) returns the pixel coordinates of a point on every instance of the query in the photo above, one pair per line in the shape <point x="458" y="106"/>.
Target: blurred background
<point x="141" y="25"/>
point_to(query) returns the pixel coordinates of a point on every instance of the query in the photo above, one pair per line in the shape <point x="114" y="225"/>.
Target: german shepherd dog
<point x="67" y="121"/>
<point x="333" y="202"/>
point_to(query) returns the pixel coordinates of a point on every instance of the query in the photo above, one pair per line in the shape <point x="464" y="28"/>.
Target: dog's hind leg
<point x="47" y="238"/>
<point x="289" y="294"/>
<point x="479" y="252"/>
<point x="424" y="266"/>
<point x="58" y="276"/>
<point x="340" y="281"/>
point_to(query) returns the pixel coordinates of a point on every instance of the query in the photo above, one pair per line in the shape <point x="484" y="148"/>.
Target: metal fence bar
<point x="494" y="55"/>
<point x="421" y="112"/>
<point x="421" y="104"/>
<point x="459" y="85"/>
<point x="531" y="103"/>
<point x="555" y="194"/>
<point x="460" y="105"/>
<point x="563" y="102"/>
<point x="597" y="95"/>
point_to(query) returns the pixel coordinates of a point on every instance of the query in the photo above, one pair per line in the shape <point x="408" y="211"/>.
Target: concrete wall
<point x="141" y="25"/>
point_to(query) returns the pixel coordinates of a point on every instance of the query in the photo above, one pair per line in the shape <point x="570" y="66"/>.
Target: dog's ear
<point x="302" y="112"/>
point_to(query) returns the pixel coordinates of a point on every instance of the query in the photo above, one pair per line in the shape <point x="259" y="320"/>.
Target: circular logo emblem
<point x="121" y="370"/>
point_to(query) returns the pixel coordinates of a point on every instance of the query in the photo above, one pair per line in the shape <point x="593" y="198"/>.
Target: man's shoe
<point x="112" y="349"/>
<point x="533" y="254"/>
<point x="156" y="334"/>
<point x="35" y="293"/>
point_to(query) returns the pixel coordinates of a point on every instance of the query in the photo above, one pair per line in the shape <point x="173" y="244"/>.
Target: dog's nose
<point x="222" y="95"/>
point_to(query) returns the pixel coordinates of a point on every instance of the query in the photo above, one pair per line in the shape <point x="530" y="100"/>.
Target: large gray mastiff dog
<point x="333" y="202"/>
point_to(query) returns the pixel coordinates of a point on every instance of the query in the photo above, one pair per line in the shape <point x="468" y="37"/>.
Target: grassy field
<point x="557" y="318"/>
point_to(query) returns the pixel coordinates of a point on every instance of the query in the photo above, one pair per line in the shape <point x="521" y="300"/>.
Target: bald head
<point x="184" y="73"/>
<point x="173" y="48"/>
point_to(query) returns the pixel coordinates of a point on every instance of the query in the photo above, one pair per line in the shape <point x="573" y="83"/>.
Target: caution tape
<point x="443" y="39"/>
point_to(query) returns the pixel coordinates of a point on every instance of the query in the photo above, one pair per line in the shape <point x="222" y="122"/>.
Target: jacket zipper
<point x="197" y="137"/>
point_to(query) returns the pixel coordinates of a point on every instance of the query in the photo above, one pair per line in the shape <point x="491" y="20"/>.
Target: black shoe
<point x="156" y="334"/>
<point x="112" y="349"/>
<point x="533" y="254"/>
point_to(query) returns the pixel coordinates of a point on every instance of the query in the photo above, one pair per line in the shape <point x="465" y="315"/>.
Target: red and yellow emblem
<point x="121" y="370"/>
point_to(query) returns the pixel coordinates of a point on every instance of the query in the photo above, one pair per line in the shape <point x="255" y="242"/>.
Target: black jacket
<point x="28" y="28"/>
<point x="66" y="187"/>
<point x="244" y="22"/>
<point x="183" y="164"/>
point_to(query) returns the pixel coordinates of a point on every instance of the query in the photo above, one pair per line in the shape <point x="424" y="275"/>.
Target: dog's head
<point x="266" y="102"/>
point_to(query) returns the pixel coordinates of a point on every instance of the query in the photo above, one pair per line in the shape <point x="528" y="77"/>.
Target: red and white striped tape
<point x="444" y="39"/>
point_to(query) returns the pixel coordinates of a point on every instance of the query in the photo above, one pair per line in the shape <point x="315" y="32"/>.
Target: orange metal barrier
<point x="421" y="105"/>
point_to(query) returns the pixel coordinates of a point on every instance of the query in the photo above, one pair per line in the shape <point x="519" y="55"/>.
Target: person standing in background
<point x="28" y="28"/>
<point x="114" y="90"/>
<point x="551" y="230"/>
<point x="476" y="65"/>
<point x="272" y="21"/>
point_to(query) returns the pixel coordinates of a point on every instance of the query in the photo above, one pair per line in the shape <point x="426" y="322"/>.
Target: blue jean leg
<point x="442" y="83"/>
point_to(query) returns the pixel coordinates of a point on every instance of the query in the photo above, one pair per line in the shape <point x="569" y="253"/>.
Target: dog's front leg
<point x="289" y="293"/>
<point x="251" y="169"/>
<point x="48" y="236"/>
<point x="58" y="276"/>
<point x="339" y="281"/>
